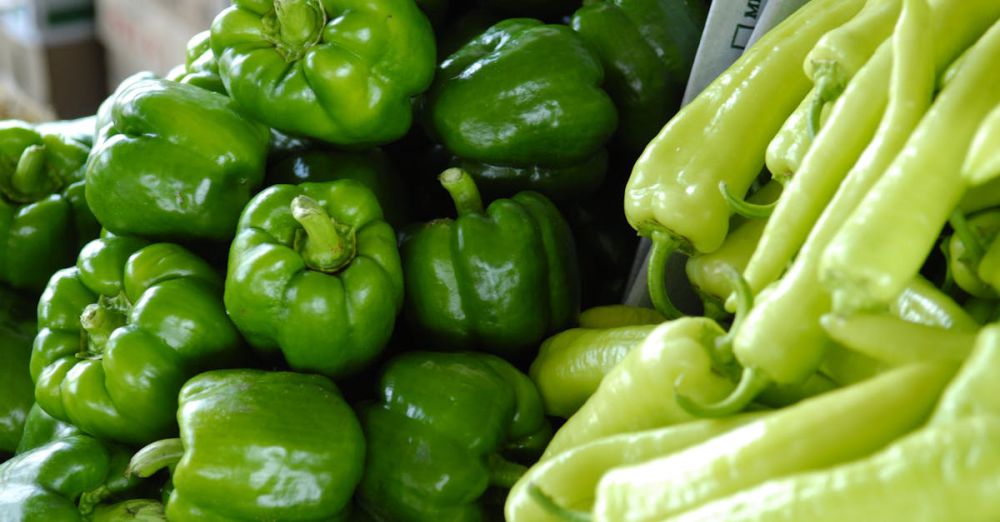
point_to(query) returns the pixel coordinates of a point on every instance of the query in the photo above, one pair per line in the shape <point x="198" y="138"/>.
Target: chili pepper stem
<point x="752" y="383"/>
<point x="973" y="244"/>
<point x="325" y="245"/>
<point x="161" y="454"/>
<point x="550" y="505"/>
<point x="663" y="245"/>
<point x="295" y="26"/>
<point x="504" y="473"/>
<point x="824" y="94"/>
<point x="721" y="352"/>
<point x="743" y="207"/>
<point x="463" y="191"/>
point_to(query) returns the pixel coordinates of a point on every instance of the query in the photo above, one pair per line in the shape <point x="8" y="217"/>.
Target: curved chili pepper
<point x="982" y="164"/>
<point x="781" y="340"/>
<point x="843" y="51"/>
<point x="785" y="151"/>
<point x="672" y="196"/>
<point x="853" y="122"/>
<point x="863" y="267"/>
<point x="800" y="438"/>
<point x="570" y="478"/>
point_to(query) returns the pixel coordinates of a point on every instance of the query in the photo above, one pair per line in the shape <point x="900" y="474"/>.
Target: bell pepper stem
<point x="504" y="473"/>
<point x="325" y="245"/>
<point x="663" y="245"/>
<point x="743" y="207"/>
<point x="550" y="505"/>
<point x="463" y="191"/>
<point x="295" y="26"/>
<point x="99" y="322"/>
<point x="752" y="383"/>
<point x="29" y="175"/>
<point x="161" y="454"/>
<point x="91" y="499"/>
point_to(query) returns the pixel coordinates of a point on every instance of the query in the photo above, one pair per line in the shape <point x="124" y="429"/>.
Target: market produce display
<point x="365" y="261"/>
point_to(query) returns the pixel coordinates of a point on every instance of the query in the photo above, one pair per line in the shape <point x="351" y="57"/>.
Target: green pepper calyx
<point x="99" y="320"/>
<point x="504" y="473"/>
<point x="30" y="180"/>
<point x="325" y="245"/>
<point x="294" y="26"/>
<point x="161" y="454"/>
<point x="463" y="191"/>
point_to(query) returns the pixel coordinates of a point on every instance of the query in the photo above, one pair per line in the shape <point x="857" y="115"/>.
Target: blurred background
<point x="59" y="58"/>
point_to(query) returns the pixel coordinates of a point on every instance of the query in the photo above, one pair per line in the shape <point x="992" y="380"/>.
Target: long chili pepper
<point x="636" y="394"/>
<point x="706" y="271"/>
<point x="957" y="448"/>
<point x="892" y="486"/>
<point x="843" y="51"/>
<point x="781" y="339"/>
<point x="570" y="479"/>
<point x="838" y="145"/>
<point x="982" y="165"/>
<point x="786" y="150"/>
<point x="897" y="342"/>
<point x="673" y="194"/>
<point x="863" y="267"/>
<point x="804" y="437"/>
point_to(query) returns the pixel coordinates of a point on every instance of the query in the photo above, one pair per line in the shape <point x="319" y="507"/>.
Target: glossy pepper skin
<point x="17" y="326"/>
<point x="524" y="102"/>
<point x="238" y="427"/>
<point x="121" y="331"/>
<point x="205" y="157"/>
<point x="442" y="432"/>
<point x="63" y="475"/>
<point x="498" y="279"/>
<point x="371" y="167"/>
<point x="343" y="72"/>
<point x="571" y="364"/>
<point x="200" y="67"/>
<point x="647" y="48"/>
<point x="44" y="216"/>
<point x="314" y="275"/>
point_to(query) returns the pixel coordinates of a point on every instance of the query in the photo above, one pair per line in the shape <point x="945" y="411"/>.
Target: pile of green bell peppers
<point x="246" y="291"/>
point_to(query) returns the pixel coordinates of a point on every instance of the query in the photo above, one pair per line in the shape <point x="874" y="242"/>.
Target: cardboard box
<point x="58" y="16"/>
<point x="59" y="69"/>
<point x="141" y="35"/>
<point x="195" y="13"/>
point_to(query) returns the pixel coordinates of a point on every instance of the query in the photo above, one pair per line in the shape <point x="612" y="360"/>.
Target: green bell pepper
<point x="173" y="161"/>
<point x="647" y="48"/>
<point x="549" y="9"/>
<point x="44" y="218"/>
<point x="340" y="71"/>
<point x="524" y="101"/>
<point x="498" y="280"/>
<point x="314" y="275"/>
<point x="372" y="168"/>
<point x="17" y="326"/>
<point x="200" y="68"/>
<point x="40" y="428"/>
<point x="121" y="331"/>
<point x="442" y="435"/>
<point x="258" y="445"/>
<point x="68" y="479"/>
